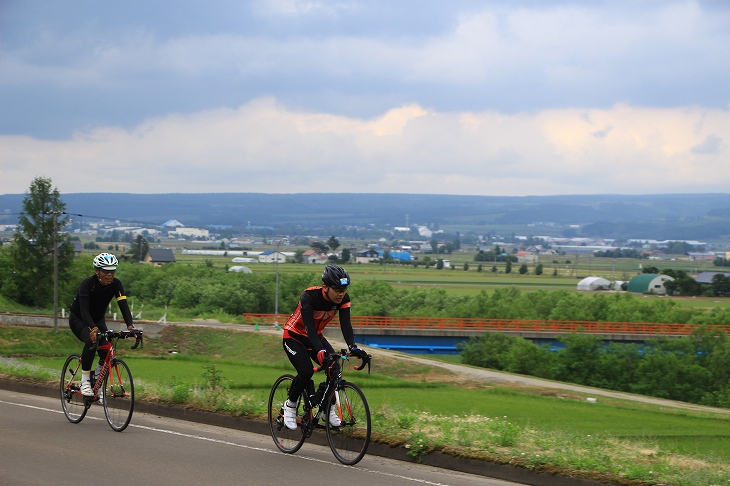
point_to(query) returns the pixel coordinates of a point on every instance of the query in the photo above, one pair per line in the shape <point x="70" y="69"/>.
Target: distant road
<point x="40" y="447"/>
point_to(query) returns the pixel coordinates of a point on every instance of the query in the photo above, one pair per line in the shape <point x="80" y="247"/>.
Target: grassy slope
<point x="403" y="394"/>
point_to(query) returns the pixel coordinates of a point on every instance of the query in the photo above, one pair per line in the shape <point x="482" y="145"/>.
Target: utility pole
<point x="55" y="272"/>
<point x="276" y="302"/>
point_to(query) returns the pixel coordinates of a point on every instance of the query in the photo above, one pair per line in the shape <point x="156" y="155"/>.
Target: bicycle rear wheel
<point x="118" y="395"/>
<point x="73" y="402"/>
<point x="349" y="442"/>
<point x="286" y="440"/>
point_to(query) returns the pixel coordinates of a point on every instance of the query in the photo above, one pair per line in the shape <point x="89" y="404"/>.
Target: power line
<point x="145" y="223"/>
<point x="131" y="221"/>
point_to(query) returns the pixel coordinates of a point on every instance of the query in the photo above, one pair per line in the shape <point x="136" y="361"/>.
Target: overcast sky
<point x="432" y="97"/>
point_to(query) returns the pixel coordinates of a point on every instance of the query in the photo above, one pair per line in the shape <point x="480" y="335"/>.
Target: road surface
<point x="40" y="447"/>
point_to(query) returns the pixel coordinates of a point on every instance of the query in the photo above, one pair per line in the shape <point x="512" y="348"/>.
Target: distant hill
<point x="666" y="216"/>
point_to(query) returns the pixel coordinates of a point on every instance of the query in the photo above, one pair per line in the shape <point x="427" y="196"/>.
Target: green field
<point x="231" y="372"/>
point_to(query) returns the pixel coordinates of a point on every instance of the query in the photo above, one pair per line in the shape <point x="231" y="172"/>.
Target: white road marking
<point x="225" y="442"/>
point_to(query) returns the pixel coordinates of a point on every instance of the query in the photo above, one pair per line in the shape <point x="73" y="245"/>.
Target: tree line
<point x="693" y="369"/>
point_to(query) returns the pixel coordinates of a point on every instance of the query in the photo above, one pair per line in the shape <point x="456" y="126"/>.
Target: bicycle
<point x="349" y="441"/>
<point x="113" y="386"/>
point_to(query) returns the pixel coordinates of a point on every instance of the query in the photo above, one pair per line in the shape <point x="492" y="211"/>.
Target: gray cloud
<point x="525" y="97"/>
<point x="710" y="145"/>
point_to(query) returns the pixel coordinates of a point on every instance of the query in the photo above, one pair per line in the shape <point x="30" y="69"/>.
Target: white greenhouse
<point x="594" y="283"/>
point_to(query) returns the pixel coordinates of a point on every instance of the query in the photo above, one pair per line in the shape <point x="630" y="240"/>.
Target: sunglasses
<point x="339" y="290"/>
<point x="107" y="271"/>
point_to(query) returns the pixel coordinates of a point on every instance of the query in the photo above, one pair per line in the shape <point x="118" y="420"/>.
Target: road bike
<point x="113" y="385"/>
<point x="349" y="441"/>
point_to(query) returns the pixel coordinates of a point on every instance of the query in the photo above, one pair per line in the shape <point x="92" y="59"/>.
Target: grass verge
<point x="422" y="408"/>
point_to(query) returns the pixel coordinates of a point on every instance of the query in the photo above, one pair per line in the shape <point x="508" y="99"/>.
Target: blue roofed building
<point x="402" y="256"/>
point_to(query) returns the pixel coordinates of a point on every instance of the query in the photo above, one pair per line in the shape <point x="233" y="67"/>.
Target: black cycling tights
<point x="81" y="331"/>
<point x="302" y="359"/>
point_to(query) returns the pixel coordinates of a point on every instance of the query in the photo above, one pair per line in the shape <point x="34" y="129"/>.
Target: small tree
<point x="434" y="246"/>
<point x="333" y="243"/>
<point x="28" y="274"/>
<point x="319" y="246"/>
<point x="345" y="257"/>
<point x="523" y="269"/>
<point x="139" y="248"/>
<point x="539" y="269"/>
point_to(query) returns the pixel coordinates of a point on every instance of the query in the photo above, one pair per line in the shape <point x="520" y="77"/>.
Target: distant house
<point x="706" y="277"/>
<point x="159" y="256"/>
<point x="649" y="283"/>
<point x="313" y="256"/>
<point x="272" y="256"/>
<point x="366" y="256"/>
<point x="526" y="257"/>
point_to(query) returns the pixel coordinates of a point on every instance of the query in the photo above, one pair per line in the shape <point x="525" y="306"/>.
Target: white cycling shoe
<point x="290" y="415"/>
<point x="334" y="418"/>
<point x="86" y="389"/>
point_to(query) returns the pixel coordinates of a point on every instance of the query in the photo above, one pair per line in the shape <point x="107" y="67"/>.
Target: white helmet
<point x="106" y="261"/>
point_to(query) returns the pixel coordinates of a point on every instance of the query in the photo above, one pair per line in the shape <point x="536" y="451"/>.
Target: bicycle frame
<point x="106" y="365"/>
<point x="106" y="368"/>
<point x="332" y="384"/>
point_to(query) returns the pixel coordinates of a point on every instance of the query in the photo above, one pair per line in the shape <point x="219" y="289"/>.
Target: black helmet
<point x="335" y="276"/>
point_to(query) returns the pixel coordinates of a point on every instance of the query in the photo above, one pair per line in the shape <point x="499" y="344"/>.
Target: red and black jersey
<point x="312" y="315"/>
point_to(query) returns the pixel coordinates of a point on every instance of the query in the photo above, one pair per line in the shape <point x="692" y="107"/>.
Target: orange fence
<point x="364" y="323"/>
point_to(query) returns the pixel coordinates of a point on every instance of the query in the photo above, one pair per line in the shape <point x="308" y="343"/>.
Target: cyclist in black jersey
<point x="89" y="307"/>
<point x="303" y="339"/>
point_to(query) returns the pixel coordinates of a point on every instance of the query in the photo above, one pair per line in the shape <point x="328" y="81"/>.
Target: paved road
<point x="40" y="447"/>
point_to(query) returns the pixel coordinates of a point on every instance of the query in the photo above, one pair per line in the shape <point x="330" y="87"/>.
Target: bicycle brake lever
<point x="138" y="342"/>
<point x="363" y="363"/>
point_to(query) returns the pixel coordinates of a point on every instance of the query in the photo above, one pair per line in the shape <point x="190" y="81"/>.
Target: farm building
<point x="159" y="256"/>
<point x="403" y="256"/>
<point x="649" y="283"/>
<point x="706" y="277"/>
<point x="366" y="256"/>
<point x="594" y="283"/>
<point x="244" y="260"/>
<point x="240" y="269"/>
<point x="271" y="256"/>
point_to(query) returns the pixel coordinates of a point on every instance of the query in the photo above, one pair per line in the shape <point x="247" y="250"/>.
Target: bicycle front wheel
<point x="73" y="402"/>
<point x="350" y="440"/>
<point x="286" y="440"/>
<point x="118" y="398"/>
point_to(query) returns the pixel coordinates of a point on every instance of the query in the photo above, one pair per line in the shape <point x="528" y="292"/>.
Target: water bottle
<point x="95" y="373"/>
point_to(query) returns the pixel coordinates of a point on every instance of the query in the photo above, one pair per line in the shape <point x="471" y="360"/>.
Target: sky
<point x="494" y="98"/>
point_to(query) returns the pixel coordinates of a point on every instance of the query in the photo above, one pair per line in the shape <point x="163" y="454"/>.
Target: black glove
<point x="355" y="351"/>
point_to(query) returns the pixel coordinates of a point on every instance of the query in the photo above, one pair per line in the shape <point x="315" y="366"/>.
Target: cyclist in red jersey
<point x="303" y="339"/>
